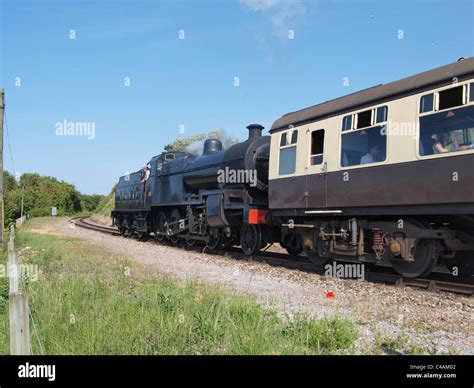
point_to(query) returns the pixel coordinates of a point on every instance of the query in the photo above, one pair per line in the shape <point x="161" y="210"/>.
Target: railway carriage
<point x="365" y="177"/>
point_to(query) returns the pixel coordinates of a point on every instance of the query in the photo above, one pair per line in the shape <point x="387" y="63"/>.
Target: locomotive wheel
<point x="250" y="239"/>
<point x="161" y="219"/>
<point x="174" y="216"/>
<point x="424" y="260"/>
<point x="122" y="230"/>
<point x="189" y="240"/>
<point x="142" y="236"/>
<point x="214" y="242"/>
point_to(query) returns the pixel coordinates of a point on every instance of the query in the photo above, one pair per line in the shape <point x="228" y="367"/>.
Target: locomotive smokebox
<point x="255" y="130"/>
<point x="212" y="146"/>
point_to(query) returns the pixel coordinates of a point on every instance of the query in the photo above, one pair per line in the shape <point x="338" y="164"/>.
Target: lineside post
<point x="2" y="110"/>
<point x="18" y="305"/>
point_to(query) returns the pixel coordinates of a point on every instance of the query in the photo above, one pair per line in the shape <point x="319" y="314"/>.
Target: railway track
<point x="82" y="222"/>
<point x="437" y="281"/>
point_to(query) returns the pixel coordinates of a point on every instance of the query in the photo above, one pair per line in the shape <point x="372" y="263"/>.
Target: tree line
<point x="40" y="194"/>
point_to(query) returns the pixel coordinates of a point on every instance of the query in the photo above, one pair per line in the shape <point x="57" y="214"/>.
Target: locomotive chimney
<point x="255" y="130"/>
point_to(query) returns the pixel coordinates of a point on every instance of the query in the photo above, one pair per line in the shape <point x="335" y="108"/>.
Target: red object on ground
<point x="330" y="294"/>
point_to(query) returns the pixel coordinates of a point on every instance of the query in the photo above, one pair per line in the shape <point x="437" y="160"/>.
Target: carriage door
<point x="316" y="181"/>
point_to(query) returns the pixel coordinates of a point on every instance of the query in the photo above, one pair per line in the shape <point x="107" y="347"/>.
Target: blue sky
<point x="190" y="82"/>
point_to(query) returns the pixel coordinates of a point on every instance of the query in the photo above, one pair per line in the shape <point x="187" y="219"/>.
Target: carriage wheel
<point x="161" y="220"/>
<point x="424" y="260"/>
<point x="293" y="243"/>
<point x="250" y="239"/>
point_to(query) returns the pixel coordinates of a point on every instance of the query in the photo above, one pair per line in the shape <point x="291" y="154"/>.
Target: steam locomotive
<point x="190" y="197"/>
<point x="384" y="176"/>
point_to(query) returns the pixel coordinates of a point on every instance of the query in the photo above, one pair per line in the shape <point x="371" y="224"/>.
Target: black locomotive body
<point x="197" y="198"/>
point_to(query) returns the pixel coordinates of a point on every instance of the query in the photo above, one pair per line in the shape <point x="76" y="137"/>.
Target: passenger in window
<point x="371" y="156"/>
<point x="442" y="143"/>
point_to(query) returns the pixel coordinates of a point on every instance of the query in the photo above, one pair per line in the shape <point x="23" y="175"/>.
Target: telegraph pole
<point x="22" y="199"/>
<point x="2" y="110"/>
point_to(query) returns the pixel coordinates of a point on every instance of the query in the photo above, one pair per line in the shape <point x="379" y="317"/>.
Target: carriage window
<point x="426" y="103"/>
<point x="446" y="132"/>
<point x="451" y="98"/>
<point x="382" y="113"/>
<point x="363" y="147"/>
<point x="471" y="92"/>
<point x="347" y="123"/>
<point x="294" y="137"/>
<point x="287" y="161"/>
<point x="364" y="119"/>
<point x="317" y="147"/>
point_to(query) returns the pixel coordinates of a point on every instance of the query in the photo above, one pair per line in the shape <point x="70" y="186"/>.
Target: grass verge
<point x="88" y="301"/>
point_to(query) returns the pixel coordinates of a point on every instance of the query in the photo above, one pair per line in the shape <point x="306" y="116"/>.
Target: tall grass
<point x="88" y="301"/>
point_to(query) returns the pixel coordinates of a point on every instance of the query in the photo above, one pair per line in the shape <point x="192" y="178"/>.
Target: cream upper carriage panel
<point x="401" y="124"/>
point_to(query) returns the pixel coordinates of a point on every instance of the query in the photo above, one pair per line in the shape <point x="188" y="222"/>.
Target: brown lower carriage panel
<point x="447" y="180"/>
